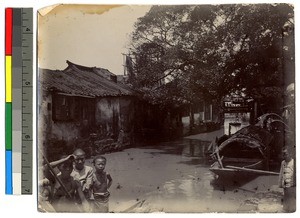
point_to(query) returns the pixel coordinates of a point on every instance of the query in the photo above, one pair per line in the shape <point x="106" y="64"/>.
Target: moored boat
<point x="249" y="151"/>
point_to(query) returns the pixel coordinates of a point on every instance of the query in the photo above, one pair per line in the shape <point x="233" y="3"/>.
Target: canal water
<point x="175" y="177"/>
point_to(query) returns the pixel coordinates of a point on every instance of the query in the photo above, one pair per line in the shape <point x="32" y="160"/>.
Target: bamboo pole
<point x="56" y="177"/>
<point x="253" y="170"/>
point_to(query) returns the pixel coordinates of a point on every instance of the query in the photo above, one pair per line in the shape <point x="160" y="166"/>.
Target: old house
<point x="79" y="102"/>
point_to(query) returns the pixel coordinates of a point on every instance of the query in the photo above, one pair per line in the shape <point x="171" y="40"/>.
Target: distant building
<point x="238" y="111"/>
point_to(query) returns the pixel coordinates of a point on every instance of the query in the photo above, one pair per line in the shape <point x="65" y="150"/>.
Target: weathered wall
<point x="108" y="116"/>
<point x="114" y="118"/>
<point x="61" y="130"/>
<point x="44" y="119"/>
<point x="114" y="114"/>
<point x="54" y="137"/>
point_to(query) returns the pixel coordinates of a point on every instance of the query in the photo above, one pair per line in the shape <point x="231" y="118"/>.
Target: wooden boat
<point x="238" y="172"/>
<point x="247" y="152"/>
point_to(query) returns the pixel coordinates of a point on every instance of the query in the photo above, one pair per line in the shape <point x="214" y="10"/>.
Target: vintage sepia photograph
<point x="166" y="108"/>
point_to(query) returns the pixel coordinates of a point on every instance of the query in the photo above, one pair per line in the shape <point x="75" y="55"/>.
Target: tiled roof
<point x="82" y="81"/>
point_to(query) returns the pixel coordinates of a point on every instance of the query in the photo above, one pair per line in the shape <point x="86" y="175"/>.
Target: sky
<point x="86" y="35"/>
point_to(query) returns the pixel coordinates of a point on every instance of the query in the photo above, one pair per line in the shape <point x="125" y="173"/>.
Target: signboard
<point x="236" y="106"/>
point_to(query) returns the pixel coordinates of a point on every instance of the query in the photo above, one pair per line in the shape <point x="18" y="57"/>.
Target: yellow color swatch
<point x="8" y="78"/>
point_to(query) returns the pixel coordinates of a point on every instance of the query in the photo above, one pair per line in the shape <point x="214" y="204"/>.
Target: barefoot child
<point x="101" y="183"/>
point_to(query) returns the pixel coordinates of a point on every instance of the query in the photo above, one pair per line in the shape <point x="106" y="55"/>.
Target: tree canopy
<point x="183" y="54"/>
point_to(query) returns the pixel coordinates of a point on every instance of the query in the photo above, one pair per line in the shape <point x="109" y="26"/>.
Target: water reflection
<point x="196" y="186"/>
<point x="231" y="183"/>
<point x="189" y="187"/>
<point x="201" y="182"/>
<point x="195" y="148"/>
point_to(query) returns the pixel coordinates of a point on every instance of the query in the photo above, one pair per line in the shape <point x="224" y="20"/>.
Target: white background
<point x="25" y="206"/>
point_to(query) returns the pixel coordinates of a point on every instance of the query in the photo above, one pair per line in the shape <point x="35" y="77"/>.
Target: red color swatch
<point x="8" y="30"/>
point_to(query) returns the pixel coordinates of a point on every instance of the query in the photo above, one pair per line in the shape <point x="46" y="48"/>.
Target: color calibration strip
<point x="18" y="101"/>
<point x="8" y="100"/>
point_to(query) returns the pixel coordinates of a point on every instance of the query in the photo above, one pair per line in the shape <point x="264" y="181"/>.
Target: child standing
<point x="101" y="183"/>
<point x="82" y="172"/>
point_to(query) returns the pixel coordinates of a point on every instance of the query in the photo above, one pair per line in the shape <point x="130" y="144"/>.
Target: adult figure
<point x="287" y="181"/>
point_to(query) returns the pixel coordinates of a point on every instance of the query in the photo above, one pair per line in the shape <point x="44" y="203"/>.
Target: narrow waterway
<point x="175" y="177"/>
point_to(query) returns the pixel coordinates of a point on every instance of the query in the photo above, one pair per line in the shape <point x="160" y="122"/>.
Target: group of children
<point x="69" y="185"/>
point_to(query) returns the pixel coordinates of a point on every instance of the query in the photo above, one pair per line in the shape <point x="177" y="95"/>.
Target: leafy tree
<point x="184" y="54"/>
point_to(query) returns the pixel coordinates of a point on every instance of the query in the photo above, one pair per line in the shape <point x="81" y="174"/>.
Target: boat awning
<point x="251" y="136"/>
